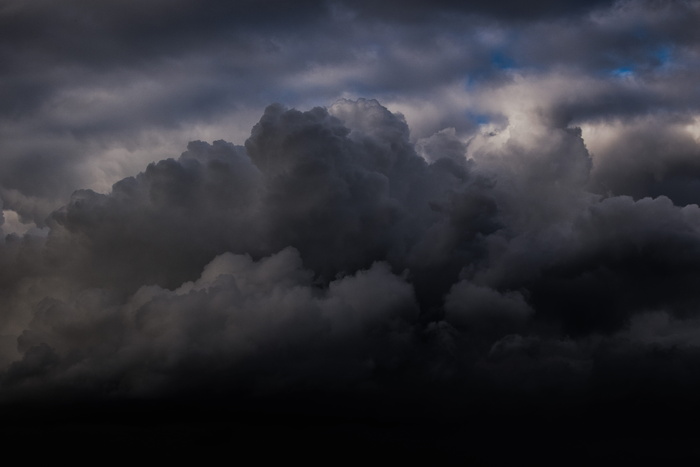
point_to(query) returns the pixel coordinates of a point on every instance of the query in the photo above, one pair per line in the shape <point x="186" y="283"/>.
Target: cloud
<point x="238" y="314"/>
<point x="94" y="93"/>
<point x="481" y="307"/>
<point x="327" y="255"/>
<point x="431" y="211"/>
<point x="663" y="164"/>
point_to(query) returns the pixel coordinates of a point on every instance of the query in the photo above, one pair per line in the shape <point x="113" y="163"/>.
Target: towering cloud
<point x="458" y="211"/>
<point x="327" y="255"/>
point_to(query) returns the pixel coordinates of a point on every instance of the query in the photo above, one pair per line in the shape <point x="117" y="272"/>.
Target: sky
<point x="466" y="215"/>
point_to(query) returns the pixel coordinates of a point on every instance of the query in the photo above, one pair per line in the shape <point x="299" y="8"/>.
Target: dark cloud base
<point x="325" y="287"/>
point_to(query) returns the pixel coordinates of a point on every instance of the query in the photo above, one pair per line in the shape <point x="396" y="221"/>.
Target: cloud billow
<point x="325" y="258"/>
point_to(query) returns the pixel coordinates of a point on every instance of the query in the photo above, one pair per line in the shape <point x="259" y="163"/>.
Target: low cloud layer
<point x="461" y="212"/>
<point x="325" y="256"/>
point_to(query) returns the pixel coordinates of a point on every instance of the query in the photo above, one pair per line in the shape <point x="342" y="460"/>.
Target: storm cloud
<point x="327" y="230"/>
<point x="391" y="211"/>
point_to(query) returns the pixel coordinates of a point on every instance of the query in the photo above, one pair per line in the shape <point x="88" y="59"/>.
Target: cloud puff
<point x="239" y="315"/>
<point x="326" y="256"/>
<point x="155" y="268"/>
<point x="482" y="308"/>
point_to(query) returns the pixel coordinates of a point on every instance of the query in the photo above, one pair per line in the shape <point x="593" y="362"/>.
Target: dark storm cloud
<point x="325" y="254"/>
<point x="212" y="200"/>
<point x="515" y="228"/>
<point x="624" y="265"/>
<point x="346" y="181"/>
<point x="225" y="323"/>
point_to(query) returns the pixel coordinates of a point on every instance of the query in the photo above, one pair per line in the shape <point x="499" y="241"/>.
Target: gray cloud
<point x="227" y="320"/>
<point x="92" y="80"/>
<point x="326" y="252"/>
<point x="513" y="230"/>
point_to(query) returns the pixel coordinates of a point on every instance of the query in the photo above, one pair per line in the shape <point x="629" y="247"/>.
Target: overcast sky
<point x="351" y="205"/>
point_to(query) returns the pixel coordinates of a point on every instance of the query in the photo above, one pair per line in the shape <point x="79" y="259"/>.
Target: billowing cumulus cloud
<point x="351" y="209"/>
<point x="239" y="314"/>
<point x="325" y="251"/>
